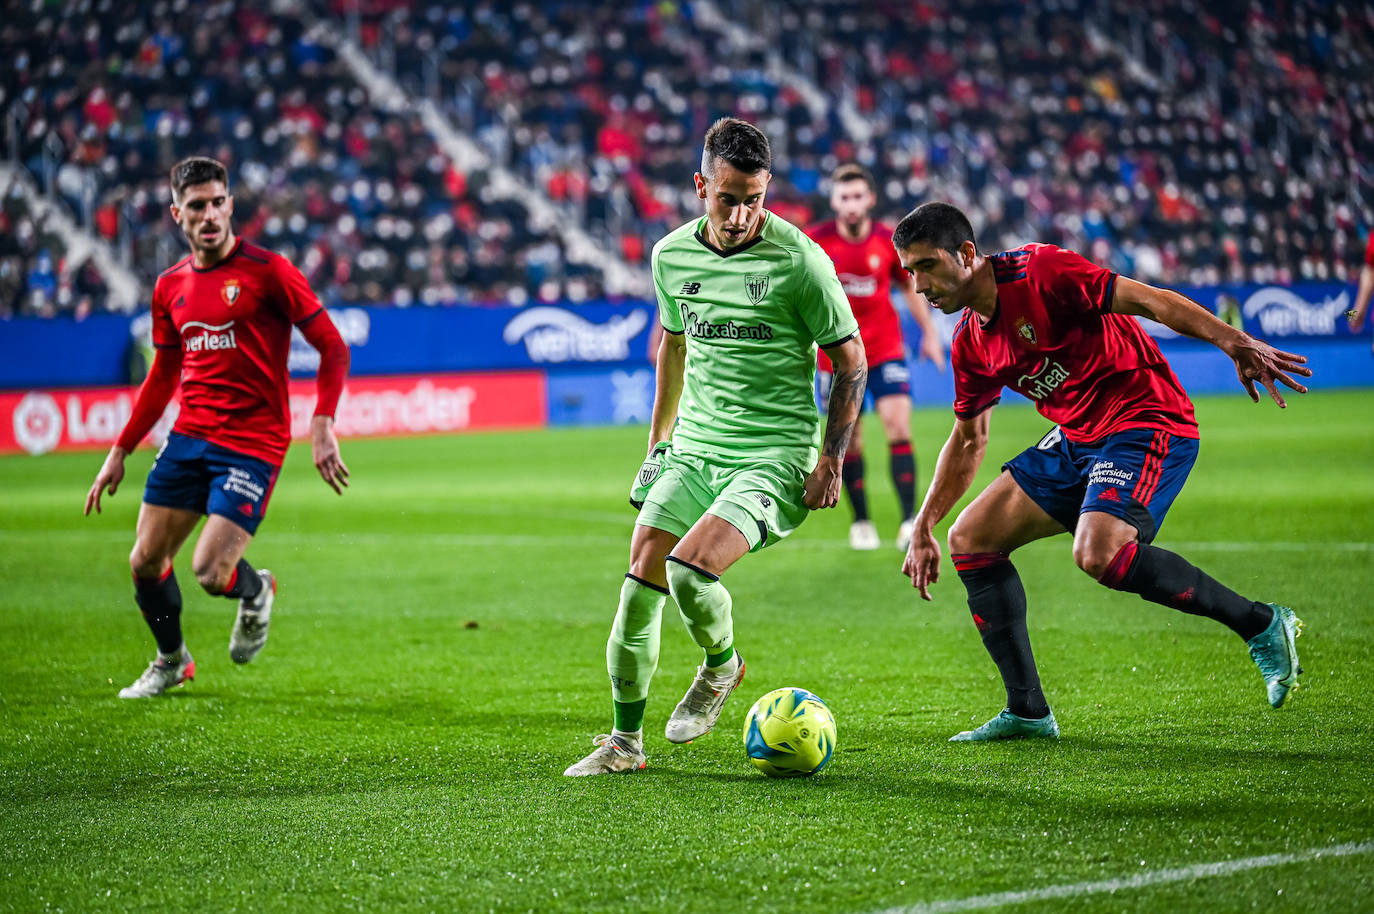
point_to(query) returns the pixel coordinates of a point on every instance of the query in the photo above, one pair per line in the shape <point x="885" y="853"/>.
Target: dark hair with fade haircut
<point x="738" y="142"/>
<point x="941" y="225"/>
<point x="853" y="171"/>
<point x="197" y="170"/>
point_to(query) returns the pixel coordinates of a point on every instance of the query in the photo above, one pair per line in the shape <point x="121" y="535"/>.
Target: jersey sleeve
<point x="165" y="334"/>
<point x="975" y="389"/>
<point x="297" y="299"/>
<point x="667" y="308"/>
<point x="1369" y="251"/>
<point x="820" y="299"/>
<point x="1069" y="282"/>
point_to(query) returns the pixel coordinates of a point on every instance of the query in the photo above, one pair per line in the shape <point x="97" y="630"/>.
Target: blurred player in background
<point x="1365" y="291"/>
<point x="1062" y="331"/>
<point x="222" y="322"/>
<point x="744" y="298"/>
<point x="869" y="270"/>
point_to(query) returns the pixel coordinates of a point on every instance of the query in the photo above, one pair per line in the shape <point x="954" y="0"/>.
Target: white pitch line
<point x="1140" y="880"/>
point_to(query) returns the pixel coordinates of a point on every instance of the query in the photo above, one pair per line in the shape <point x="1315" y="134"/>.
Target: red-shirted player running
<point x="1062" y="332"/>
<point x="869" y="270"/>
<point x="222" y="323"/>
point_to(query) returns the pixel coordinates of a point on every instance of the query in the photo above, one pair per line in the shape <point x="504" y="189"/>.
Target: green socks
<point x="632" y="649"/>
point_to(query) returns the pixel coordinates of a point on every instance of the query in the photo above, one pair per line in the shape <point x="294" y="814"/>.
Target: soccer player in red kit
<point x="1063" y="332"/>
<point x="869" y="270"/>
<point x="222" y="322"/>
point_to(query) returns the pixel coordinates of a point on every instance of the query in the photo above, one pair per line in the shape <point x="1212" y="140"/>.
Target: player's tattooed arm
<point x="846" y="399"/>
<point x="822" y="489"/>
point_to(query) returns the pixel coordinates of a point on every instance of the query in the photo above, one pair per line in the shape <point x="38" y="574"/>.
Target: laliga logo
<point x="1282" y="313"/>
<point x="555" y="335"/>
<point x="37" y="423"/>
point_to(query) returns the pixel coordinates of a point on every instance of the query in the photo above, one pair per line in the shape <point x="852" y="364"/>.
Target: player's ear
<point x="967" y="251"/>
<point x="701" y="185"/>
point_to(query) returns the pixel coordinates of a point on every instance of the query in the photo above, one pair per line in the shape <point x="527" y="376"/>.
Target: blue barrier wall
<point x="596" y="356"/>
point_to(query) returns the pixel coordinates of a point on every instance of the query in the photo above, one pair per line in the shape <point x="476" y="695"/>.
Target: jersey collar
<point x="233" y="252"/>
<point x="733" y="251"/>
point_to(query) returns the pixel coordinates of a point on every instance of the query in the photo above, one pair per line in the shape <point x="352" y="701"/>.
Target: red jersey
<point x="1054" y="339"/>
<point x="1369" y="251"/>
<point x="867" y="270"/>
<point x="233" y="323"/>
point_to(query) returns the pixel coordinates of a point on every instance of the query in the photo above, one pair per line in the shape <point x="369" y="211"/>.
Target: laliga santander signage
<point x="37" y="422"/>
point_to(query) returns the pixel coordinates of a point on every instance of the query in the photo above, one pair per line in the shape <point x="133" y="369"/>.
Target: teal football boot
<point x="1276" y="655"/>
<point x="1007" y="725"/>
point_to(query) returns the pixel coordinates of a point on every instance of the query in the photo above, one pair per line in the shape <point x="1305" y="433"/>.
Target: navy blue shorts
<point x="884" y="379"/>
<point x="1134" y="475"/>
<point x="208" y="479"/>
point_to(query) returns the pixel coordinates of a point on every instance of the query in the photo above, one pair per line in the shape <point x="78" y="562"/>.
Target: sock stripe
<point x="974" y="561"/>
<point x="1120" y="566"/>
<point x="701" y="571"/>
<point x="233" y="580"/>
<point x="900" y="448"/>
<point x="649" y="584"/>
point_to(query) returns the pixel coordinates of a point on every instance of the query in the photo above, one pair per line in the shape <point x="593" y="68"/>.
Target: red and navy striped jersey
<point x="1054" y="339"/>
<point x="232" y="322"/>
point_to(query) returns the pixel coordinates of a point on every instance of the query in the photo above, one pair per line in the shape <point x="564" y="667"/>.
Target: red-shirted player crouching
<point x="222" y="322"/>
<point x="1063" y="332"/>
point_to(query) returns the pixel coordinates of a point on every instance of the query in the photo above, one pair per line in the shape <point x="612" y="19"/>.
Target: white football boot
<point x="863" y="536"/>
<point x="160" y="676"/>
<point x="904" y="534"/>
<point x="250" y="626"/>
<point x="614" y="754"/>
<point x="700" y="708"/>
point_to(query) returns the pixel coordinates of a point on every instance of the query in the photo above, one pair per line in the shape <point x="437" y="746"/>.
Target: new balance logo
<point x="690" y="288"/>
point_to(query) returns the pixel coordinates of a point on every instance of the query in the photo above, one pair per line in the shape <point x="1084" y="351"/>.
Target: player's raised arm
<point x="958" y="463"/>
<point x="153" y="397"/>
<point x="846" y="401"/>
<point x="1256" y="360"/>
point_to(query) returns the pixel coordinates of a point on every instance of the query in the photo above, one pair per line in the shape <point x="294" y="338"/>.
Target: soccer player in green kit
<point x="733" y="465"/>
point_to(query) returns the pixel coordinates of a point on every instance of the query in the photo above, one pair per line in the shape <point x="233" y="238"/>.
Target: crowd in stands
<point x="1178" y="141"/>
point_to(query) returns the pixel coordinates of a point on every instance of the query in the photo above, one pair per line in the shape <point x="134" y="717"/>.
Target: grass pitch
<point x="437" y="659"/>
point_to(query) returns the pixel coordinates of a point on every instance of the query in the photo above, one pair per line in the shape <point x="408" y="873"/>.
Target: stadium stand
<point x="1179" y="142"/>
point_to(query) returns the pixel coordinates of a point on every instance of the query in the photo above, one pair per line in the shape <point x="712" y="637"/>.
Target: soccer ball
<point x="789" y="733"/>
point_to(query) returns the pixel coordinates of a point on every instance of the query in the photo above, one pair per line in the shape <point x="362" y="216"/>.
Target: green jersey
<point x="752" y="317"/>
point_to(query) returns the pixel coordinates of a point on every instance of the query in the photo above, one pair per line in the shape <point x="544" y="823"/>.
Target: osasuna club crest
<point x="1024" y="328"/>
<point x="757" y="286"/>
<point x="231" y="291"/>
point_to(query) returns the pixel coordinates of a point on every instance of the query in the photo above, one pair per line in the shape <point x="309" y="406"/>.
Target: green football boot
<point x="1007" y="725"/>
<point x="1276" y="655"/>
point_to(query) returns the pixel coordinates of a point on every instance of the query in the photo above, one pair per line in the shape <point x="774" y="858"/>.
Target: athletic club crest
<point x="1025" y="330"/>
<point x="757" y="285"/>
<point x="231" y="291"/>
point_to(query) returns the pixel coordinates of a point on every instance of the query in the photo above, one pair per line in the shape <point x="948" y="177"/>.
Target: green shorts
<point x="762" y="500"/>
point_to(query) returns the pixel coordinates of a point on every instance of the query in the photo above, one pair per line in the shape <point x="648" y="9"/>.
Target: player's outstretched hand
<point x="922" y="562"/>
<point x="110" y="476"/>
<point x="822" y="488"/>
<point x="1257" y="361"/>
<point x="324" y="450"/>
